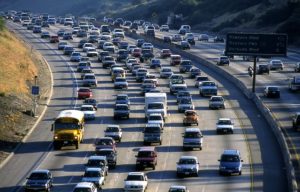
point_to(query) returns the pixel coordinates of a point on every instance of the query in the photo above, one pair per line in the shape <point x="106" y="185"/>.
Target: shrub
<point x="2" y="24"/>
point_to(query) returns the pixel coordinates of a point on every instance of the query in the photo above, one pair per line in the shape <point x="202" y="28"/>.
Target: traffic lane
<point x="265" y="144"/>
<point x="37" y="145"/>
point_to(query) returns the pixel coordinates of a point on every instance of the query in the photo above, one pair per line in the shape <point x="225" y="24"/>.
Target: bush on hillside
<point x="274" y="16"/>
<point x="2" y="24"/>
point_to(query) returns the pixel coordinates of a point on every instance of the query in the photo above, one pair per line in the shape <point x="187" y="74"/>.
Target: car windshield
<point x="187" y="161"/>
<point x="95" y="163"/>
<point x="89" y="77"/>
<point x="86" y="109"/>
<point x="224" y="122"/>
<point x="152" y="130"/>
<point x="183" y="94"/>
<point x="230" y="158"/>
<point x="112" y="129"/>
<point x="273" y="88"/>
<point x="155" y="118"/>
<point x="192" y="135"/>
<point x="202" y="78"/>
<point x="186" y="63"/>
<point x="82" y="189"/>
<point x="166" y="70"/>
<point x="177" y="190"/>
<point x="38" y="176"/>
<point x="208" y="84"/>
<point x="216" y="99"/>
<point x="177" y="81"/>
<point x="92" y="174"/>
<point x="91" y="101"/>
<point x="84" y="90"/>
<point x="104" y="142"/>
<point x="185" y="101"/>
<point x="66" y="125"/>
<point x="135" y="178"/>
<point x="121" y="108"/>
<point x="155" y="106"/>
<point x="145" y="154"/>
<point x="120" y="80"/>
<point x="122" y="97"/>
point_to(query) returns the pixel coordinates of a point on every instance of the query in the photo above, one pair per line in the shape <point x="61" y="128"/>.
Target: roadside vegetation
<point x="17" y="71"/>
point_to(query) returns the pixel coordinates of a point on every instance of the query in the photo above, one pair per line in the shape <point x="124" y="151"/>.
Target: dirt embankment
<point x="19" y="64"/>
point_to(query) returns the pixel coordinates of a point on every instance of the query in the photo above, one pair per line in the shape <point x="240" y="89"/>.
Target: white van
<point x="187" y="28"/>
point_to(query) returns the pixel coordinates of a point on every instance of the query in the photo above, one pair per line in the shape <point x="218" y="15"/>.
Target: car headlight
<point x="75" y="137"/>
<point x="56" y="137"/>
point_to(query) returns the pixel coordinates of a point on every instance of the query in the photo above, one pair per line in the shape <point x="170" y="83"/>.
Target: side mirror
<point x="242" y="160"/>
<point x="136" y="156"/>
<point x="52" y="127"/>
<point x="218" y="159"/>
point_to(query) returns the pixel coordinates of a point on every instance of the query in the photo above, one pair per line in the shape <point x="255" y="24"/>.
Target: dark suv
<point x="39" y="180"/>
<point x="263" y="68"/>
<point x="146" y="157"/>
<point x="121" y="111"/>
<point x="152" y="134"/>
<point x="111" y="156"/>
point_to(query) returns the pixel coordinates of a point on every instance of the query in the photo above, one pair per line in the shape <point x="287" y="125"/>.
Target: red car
<point x="137" y="52"/>
<point x="164" y="53"/>
<point x="54" y="39"/>
<point x="84" y="93"/>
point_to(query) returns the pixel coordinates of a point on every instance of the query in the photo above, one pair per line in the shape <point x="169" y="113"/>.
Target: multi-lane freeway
<point x="263" y="170"/>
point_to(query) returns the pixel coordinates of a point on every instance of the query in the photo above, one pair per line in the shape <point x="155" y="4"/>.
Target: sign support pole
<point x="254" y="74"/>
<point x="35" y="98"/>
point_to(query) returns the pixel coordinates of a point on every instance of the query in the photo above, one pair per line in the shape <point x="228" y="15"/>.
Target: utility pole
<point x="254" y="74"/>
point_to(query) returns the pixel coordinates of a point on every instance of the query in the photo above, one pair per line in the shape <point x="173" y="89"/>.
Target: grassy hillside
<point x="17" y="71"/>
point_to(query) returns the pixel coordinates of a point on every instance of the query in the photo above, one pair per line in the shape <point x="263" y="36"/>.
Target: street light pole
<point x="254" y="74"/>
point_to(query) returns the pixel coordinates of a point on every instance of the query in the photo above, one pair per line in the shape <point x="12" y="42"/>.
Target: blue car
<point x="155" y="63"/>
<point x="230" y="162"/>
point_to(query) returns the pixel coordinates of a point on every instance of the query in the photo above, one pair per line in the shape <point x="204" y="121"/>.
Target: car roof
<point x="178" y="187"/>
<point x="112" y="125"/>
<point x="224" y="119"/>
<point x="136" y="173"/>
<point x="84" y="185"/>
<point x="87" y="106"/>
<point x="93" y="169"/>
<point x="153" y="125"/>
<point x="147" y="149"/>
<point x="97" y="157"/>
<point x="192" y="129"/>
<point x="154" y="114"/>
<point x="231" y="152"/>
<point x="189" y="157"/>
<point x="41" y="171"/>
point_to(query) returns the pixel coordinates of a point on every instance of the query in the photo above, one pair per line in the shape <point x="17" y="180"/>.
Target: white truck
<point x="156" y="103"/>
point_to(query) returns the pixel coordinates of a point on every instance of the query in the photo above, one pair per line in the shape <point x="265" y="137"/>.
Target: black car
<point x="194" y="72"/>
<point x="121" y="111"/>
<point x="191" y="41"/>
<point x="68" y="50"/>
<point x="90" y="101"/>
<point x="272" y="92"/>
<point x="102" y="54"/>
<point x="61" y="32"/>
<point x="122" y="55"/>
<point x="39" y="180"/>
<point x="146" y="88"/>
<point x="140" y="42"/>
<point x="147" y="54"/>
<point x="185" y="66"/>
<point x="111" y="156"/>
<point x="167" y="39"/>
<point x="263" y="68"/>
<point x="184" y="45"/>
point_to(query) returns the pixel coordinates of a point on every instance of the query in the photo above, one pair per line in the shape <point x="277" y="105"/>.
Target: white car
<point x="94" y="175"/>
<point x="147" y="46"/>
<point x="109" y="46"/>
<point x="216" y="102"/>
<point x="86" y="46"/>
<point x="156" y="118"/>
<point x="166" y="72"/>
<point x="151" y="77"/>
<point x="75" y="56"/>
<point x="89" y="80"/>
<point x="89" y="111"/>
<point x="136" y="181"/>
<point x="113" y="131"/>
<point x="120" y="83"/>
<point x="225" y="125"/>
<point x="187" y="165"/>
<point x="92" y="52"/>
<point x="276" y="64"/>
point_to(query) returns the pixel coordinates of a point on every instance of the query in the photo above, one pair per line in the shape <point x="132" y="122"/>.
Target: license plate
<point x="225" y="130"/>
<point x="186" y="173"/>
<point x="66" y="142"/>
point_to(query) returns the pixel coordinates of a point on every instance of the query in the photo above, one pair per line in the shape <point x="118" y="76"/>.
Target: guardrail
<point x="290" y="172"/>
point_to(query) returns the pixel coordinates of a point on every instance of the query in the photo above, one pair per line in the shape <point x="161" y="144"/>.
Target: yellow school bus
<point x="68" y="129"/>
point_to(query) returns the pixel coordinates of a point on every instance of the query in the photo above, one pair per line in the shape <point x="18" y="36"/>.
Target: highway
<point x="282" y="109"/>
<point x="263" y="162"/>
